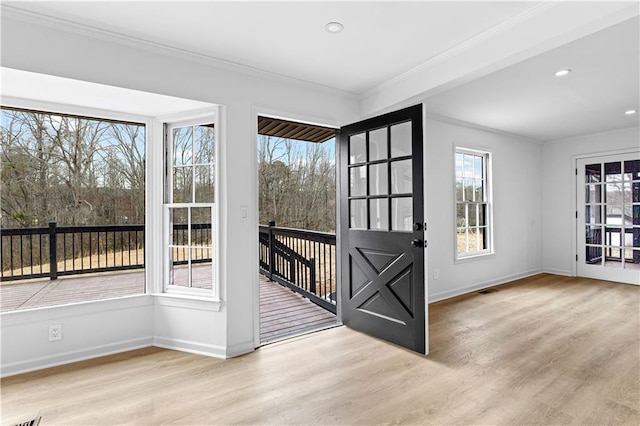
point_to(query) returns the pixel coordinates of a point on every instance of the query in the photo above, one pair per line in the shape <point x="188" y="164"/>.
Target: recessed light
<point x="631" y="112"/>
<point x="334" y="27"/>
<point x="562" y="73"/>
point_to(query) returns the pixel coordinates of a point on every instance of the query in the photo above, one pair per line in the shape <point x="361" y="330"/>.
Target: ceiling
<point x="384" y="41"/>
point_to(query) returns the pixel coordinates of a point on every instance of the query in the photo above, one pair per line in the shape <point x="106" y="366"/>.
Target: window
<point x="73" y="205"/>
<point x="473" y="208"/>
<point x="190" y="207"/>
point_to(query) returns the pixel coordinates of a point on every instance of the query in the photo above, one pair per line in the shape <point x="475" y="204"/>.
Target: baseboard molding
<point x="240" y="349"/>
<point x="215" y="351"/>
<point x="443" y="295"/>
<point x="558" y="272"/>
<point x="74" y="356"/>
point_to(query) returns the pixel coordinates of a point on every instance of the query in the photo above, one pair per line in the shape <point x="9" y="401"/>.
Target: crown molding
<point x="36" y="18"/>
<point x="466" y="45"/>
<point x="469" y="125"/>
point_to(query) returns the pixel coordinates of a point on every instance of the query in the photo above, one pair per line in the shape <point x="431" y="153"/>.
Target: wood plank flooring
<point x="284" y="313"/>
<point x="543" y="350"/>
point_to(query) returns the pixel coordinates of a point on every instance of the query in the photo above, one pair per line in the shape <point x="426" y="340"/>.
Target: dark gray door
<point x="381" y="224"/>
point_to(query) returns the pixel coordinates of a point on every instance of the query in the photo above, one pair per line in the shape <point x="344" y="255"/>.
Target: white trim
<point x="60" y="24"/>
<point x="71" y="310"/>
<point x="558" y="272"/>
<point x="73" y="356"/>
<point x="239" y="349"/>
<point x="188" y="302"/>
<point x="593" y="135"/>
<point x="57" y="108"/>
<point x="190" y="347"/>
<point x="448" y="294"/>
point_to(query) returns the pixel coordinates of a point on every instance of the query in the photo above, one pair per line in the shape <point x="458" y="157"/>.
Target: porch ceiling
<point x="290" y="130"/>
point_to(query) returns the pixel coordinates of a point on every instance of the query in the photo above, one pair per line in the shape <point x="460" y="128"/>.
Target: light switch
<point x="244" y="212"/>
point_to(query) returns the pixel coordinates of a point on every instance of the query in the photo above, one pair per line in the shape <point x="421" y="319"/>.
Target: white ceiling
<point x="384" y="41"/>
<point x="380" y="39"/>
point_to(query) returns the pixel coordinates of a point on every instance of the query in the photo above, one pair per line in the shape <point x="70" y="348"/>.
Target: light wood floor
<point x="544" y="350"/>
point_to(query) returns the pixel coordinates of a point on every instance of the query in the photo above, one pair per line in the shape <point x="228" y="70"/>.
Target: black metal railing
<point x="304" y="261"/>
<point x="69" y="250"/>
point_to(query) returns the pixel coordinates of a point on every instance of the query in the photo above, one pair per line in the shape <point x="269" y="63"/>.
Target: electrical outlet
<point x="55" y="332"/>
<point x="436" y="274"/>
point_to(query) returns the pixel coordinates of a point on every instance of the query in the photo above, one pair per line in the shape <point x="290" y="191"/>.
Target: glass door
<point x="608" y="216"/>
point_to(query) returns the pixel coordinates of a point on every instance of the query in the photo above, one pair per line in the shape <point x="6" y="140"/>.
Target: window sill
<point x="474" y="257"/>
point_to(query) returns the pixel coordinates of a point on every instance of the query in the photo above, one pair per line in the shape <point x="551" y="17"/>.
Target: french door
<point x="382" y="227"/>
<point x="608" y="231"/>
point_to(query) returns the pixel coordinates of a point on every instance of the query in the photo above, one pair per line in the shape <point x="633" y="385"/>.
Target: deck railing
<point x="303" y="260"/>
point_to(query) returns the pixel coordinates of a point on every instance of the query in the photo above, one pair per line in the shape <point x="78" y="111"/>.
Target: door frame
<point x="256" y="111"/>
<point x="574" y="196"/>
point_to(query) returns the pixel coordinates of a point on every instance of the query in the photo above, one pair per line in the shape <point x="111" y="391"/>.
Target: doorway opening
<point x="297" y="231"/>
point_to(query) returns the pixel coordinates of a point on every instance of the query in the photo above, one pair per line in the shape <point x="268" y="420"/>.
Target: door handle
<point x="417" y="243"/>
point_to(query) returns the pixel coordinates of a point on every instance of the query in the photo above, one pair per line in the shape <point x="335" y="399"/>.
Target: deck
<point x="283" y="313"/>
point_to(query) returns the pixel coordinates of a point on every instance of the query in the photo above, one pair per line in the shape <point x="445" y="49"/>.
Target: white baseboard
<point x="191" y="347"/>
<point x="74" y="356"/>
<point x="558" y="272"/>
<point x="479" y="286"/>
<point x="240" y="349"/>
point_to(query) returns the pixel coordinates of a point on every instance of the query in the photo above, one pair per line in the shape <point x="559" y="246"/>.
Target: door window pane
<point x="378" y="179"/>
<point x="592" y="173"/>
<point x="357" y="148"/>
<point x="613" y="172"/>
<point x="593" y="214"/>
<point x="613" y="215"/>
<point x="593" y="235"/>
<point x="593" y="193"/>
<point x="402" y="214"/>
<point x="378" y="144"/>
<point x="358" y="214"/>
<point x="401" y="177"/>
<point x="593" y="255"/>
<point x="358" y="181"/>
<point x="632" y="168"/>
<point x="379" y="214"/>
<point x="401" y="139"/>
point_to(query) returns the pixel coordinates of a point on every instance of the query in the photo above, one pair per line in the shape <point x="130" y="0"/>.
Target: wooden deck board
<point x="282" y="312"/>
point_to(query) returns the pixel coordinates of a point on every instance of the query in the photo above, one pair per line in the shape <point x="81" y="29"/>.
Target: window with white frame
<point x="473" y="208"/>
<point x="190" y="224"/>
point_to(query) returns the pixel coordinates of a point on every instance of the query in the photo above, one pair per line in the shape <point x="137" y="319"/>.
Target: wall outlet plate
<point x="55" y="332"/>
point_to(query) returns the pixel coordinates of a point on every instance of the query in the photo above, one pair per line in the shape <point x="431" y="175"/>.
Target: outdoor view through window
<point x="73" y="209"/>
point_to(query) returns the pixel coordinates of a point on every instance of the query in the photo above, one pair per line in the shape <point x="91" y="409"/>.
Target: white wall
<point x="558" y="197"/>
<point x="516" y="166"/>
<point x="45" y="47"/>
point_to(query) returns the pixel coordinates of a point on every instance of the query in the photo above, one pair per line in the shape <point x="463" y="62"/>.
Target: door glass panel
<point x="593" y="255"/>
<point x="402" y="214"/>
<point x="593" y="194"/>
<point x="592" y="173"/>
<point x="593" y="235"/>
<point x="401" y="180"/>
<point x="632" y="259"/>
<point x="358" y="214"/>
<point x="613" y="172"/>
<point x="613" y="236"/>
<point x="378" y="144"/>
<point x="613" y="193"/>
<point x="357" y="148"/>
<point x="593" y="215"/>
<point x="613" y="215"/>
<point x="358" y="181"/>
<point x="379" y="214"/>
<point x="378" y="179"/>
<point x="401" y="140"/>
<point x="632" y="169"/>
<point x="635" y="192"/>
